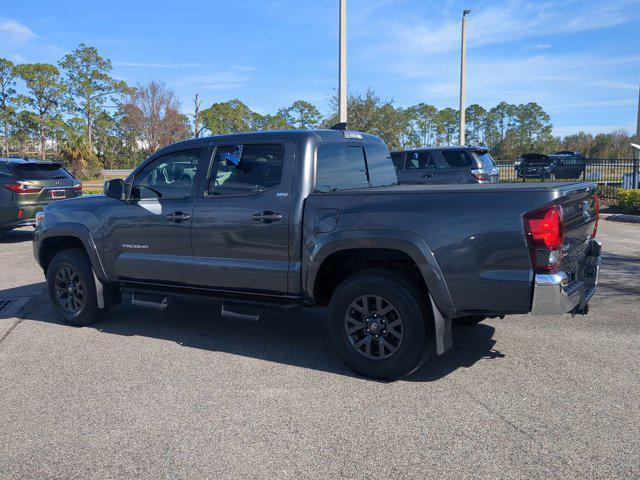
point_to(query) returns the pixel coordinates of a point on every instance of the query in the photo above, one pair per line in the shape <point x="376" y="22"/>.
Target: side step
<point x="236" y="311"/>
<point x="149" y="300"/>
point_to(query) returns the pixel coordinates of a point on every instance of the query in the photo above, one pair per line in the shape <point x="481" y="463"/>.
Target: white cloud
<point x="543" y="45"/>
<point x="17" y="58"/>
<point x="14" y="34"/>
<point x="504" y="22"/>
<point x="226" y="78"/>
<point x="159" y="65"/>
<point x="593" y="129"/>
<point x="616" y="85"/>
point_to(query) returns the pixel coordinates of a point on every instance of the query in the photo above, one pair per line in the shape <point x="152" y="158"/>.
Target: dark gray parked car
<point x="443" y="165"/>
<point x="28" y="185"/>
<point x="315" y="218"/>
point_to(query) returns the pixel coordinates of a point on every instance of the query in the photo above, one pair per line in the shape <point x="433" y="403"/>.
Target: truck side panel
<point x="476" y="237"/>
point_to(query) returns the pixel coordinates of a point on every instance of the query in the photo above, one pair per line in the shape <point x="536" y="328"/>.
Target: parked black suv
<point x="562" y="165"/>
<point x="445" y="165"/>
<point x="27" y="185"/>
<point x="568" y="165"/>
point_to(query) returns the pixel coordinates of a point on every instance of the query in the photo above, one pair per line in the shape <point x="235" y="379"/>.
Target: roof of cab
<point x="322" y="135"/>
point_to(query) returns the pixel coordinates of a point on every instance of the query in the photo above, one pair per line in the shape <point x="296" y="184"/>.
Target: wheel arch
<point x="67" y="236"/>
<point x="406" y="244"/>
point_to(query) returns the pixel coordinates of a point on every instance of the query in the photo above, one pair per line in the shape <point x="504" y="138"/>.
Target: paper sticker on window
<point x="233" y="157"/>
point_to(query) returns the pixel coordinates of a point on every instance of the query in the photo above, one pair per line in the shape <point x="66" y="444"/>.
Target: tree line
<point x="78" y="112"/>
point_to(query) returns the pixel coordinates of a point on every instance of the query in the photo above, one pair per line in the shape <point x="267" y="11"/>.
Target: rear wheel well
<point x="340" y="265"/>
<point x="51" y="246"/>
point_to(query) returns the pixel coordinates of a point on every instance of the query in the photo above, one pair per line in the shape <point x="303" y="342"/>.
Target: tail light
<point x="481" y="174"/>
<point x="595" y="227"/>
<point x="77" y="187"/>
<point x="485" y="175"/>
<point x="22" y="188"/>
<point x="545" y="236"/>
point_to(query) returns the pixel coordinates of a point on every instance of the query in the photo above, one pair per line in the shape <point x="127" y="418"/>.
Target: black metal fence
<point x="610" y="174"/>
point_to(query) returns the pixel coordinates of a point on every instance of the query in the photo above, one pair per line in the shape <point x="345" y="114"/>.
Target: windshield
<point x="41" y="171"/>
<point x="485" y="160"/>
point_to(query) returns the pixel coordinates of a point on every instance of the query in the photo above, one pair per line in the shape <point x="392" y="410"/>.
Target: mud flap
<point x="99" y="291"/>
<point x="444" y="339"/>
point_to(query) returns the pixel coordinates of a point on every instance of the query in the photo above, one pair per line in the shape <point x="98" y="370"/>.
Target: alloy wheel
<point x="69" y="288"/>
<point x="374" y="327"/>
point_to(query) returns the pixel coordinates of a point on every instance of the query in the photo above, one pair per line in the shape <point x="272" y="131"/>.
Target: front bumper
<point x="555" y="294"/>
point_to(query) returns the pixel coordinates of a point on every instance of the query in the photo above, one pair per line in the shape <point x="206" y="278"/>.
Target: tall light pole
<point x="638" y="124"/>
<point x="462" y="77"/>
<point x="342" y="89"/>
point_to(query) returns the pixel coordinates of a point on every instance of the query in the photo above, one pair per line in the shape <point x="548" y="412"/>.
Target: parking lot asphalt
<point x="185" y="394"/>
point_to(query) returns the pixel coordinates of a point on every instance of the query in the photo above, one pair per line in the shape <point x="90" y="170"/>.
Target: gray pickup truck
<point x="316" y="218"/>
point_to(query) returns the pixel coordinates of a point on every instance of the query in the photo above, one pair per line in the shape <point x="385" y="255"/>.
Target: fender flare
<point x="79" y="231"/>
<point x="404" y="241"/>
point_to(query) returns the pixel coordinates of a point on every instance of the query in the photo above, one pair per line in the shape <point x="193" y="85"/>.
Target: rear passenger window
<point x="381" y="171"/>
<point x="246" y="169"/>
<point x="419" y="160"/>
<point x="457" y="159"/>
<point x="340" y="167"/>
<point x="397" y="160"/>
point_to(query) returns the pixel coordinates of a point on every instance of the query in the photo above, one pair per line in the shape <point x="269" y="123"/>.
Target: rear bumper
<point x="29" y="222"/>
<point x="555" y="294"/>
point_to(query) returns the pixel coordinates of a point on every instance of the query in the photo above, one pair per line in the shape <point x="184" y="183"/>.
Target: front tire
<point x="378" y="326"/>
<point x="72" y="288"/>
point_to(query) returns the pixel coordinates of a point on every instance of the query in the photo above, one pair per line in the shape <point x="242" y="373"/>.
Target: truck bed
<point x="475" y="231"/>
<point x="562" y="188"/>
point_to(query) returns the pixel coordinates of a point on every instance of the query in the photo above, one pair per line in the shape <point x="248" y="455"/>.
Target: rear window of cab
<point x="40" y="171"/>
<point x="342" y="166"/>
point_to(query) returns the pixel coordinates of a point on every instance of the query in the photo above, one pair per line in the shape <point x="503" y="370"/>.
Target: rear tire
<point x="378" y="303"/>
<point x="72" y="288"/>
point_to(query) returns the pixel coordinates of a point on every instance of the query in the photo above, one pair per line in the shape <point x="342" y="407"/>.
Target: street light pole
<point x="462" y="78"/>
<point x="342" y="89"/>
<point x="638" y="124"/>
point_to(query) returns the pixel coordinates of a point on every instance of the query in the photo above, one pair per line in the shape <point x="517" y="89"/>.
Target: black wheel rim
<point x="374" y="327"/>
<point x="69" y="288"/>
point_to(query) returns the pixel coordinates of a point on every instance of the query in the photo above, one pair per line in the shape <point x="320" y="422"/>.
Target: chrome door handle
<point x="267" y="217"/>
<point x="178" y="217"/>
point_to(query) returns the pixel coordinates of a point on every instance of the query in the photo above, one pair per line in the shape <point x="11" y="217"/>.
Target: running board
<point x="149" y="300"/>
<point x="234" y="311"/>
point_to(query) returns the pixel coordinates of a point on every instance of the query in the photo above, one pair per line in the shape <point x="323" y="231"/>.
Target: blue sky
<point x="579" y="59"/>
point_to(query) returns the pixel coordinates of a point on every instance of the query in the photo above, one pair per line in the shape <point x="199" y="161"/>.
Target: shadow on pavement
<point x="292" y="337"/>
<point x="619" y="274"/>
<point x="17" y="236"/>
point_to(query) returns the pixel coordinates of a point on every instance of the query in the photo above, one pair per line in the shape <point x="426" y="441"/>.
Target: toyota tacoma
<point x="316" y="218"/>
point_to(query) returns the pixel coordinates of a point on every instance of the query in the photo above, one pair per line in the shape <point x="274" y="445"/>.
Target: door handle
<point x="428" y="175"/>
<point x="178" y="217"/>
<point x="267" y="217"/>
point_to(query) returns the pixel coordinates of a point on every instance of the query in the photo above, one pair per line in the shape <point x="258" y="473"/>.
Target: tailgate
<point x="580" y="219"/>
<point x="580" y="254"/>
<point x="568" y="280"/>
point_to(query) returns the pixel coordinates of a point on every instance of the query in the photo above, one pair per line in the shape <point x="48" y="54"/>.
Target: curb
<point x="621" y="217"/>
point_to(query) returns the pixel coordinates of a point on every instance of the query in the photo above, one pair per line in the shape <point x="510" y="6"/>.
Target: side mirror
<point x="114" y="188"/>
